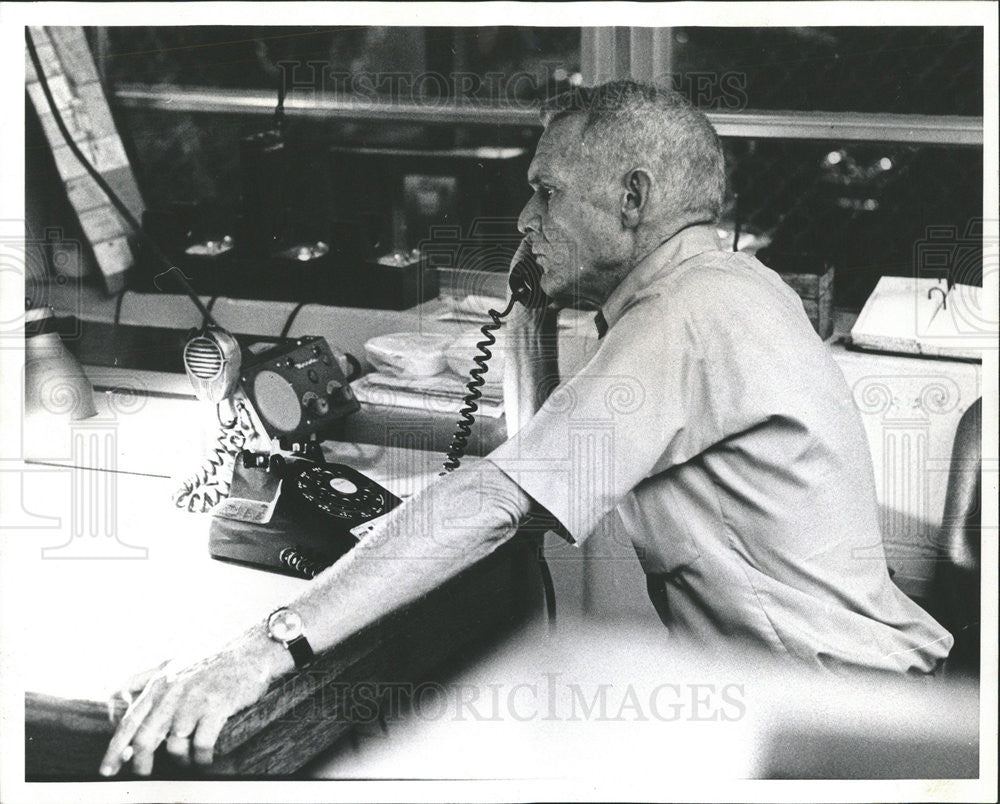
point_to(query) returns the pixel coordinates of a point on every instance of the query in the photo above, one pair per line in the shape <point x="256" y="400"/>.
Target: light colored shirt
<point x="717" y="423"/>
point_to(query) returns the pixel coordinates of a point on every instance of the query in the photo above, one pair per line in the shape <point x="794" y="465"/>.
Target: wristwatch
<point x="285" y="626"/>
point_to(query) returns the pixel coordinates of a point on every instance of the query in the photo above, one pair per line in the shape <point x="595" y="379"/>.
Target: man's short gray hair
<point x="631" y="124"/>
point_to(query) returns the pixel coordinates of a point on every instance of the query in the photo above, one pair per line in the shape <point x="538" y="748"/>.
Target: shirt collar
<point x="687" y="243"/>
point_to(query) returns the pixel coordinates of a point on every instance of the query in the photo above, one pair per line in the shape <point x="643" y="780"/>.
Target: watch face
<point x="284" y="625"/>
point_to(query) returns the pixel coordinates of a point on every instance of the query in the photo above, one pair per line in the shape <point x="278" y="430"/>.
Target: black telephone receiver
<point x="525" y="280"/>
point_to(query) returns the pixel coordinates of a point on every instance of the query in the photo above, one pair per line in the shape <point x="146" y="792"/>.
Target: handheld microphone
<point x="212" y="360"/>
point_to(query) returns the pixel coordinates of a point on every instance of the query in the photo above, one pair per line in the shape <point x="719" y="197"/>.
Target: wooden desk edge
<point x="299" y="717"/>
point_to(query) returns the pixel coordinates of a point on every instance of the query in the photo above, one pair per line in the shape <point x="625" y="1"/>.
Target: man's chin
<point x="566" y="297"/>
<point x="554" y="292"/>
<point x="557" y="291"/>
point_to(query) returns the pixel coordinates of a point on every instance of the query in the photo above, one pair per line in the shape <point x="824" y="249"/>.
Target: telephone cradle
<point x="310" y="528"/>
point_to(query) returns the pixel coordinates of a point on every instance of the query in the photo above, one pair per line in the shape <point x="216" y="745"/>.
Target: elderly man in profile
<point x="738" y="465"/>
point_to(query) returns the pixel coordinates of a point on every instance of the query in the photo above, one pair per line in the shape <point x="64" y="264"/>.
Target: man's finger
<point x="130" y="690"/>
<point x="179" y="748"/>
<point x="122" y="739"/>
<point x="203" y="744"/>
<point x="179" y="738"/>
<point x="154" y="729"/>
<point x="138" y="682"/>
<point x="186" y="719"/>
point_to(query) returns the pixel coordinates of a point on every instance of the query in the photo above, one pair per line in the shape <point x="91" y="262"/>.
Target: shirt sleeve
<point x="636" y="408"/>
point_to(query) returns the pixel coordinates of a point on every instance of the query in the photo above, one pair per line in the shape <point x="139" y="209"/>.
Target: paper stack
<point x="440" y="393"/>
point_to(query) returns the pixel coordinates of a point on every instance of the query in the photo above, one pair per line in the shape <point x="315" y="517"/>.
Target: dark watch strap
<point x="301" y="650"/>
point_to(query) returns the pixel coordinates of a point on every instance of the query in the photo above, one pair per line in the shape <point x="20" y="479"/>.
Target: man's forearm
<point x="430" y="538"/>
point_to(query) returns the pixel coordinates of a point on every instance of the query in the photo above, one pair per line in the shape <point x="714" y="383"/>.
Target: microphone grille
<point x="203" y="358"/>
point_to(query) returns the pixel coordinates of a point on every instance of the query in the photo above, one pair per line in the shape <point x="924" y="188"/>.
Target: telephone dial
<point x="319" y="506"/>
<point x="322" y="508"/>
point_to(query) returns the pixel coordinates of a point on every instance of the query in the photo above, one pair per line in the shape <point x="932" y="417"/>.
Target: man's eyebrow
<point x="540" y="176"/>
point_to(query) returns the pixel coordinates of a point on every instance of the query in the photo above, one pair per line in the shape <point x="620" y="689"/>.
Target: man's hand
<point x="469" y="513"/>
<point x="531" y="364"/>
<point x="188" y="708"/>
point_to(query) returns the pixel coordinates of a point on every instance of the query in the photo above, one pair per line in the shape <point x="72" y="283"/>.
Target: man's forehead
<point x="558" y="148"/>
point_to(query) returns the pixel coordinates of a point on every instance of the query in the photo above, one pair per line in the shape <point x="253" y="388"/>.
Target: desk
<point x="118" y="577"/>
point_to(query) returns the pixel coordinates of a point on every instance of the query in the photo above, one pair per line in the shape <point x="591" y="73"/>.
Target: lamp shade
<point x="54" y="381"/>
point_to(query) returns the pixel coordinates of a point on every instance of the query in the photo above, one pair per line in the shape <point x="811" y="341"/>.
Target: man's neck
<point x="661" y="236"/>
<point x="653" y="242"/>
<point x="684" y="241"/>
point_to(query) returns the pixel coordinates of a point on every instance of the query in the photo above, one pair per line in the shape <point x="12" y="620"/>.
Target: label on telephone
<point x="250" y="499"/>
<point x="362" y="530"/>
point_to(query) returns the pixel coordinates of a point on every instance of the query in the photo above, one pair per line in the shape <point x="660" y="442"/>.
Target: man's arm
<point x="433" y="536"/>
<point x="454" y="523"/>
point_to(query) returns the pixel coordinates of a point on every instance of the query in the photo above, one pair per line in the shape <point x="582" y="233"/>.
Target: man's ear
<point x="638" y="185"/>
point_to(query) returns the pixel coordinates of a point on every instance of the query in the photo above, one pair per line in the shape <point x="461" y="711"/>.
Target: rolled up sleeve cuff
<point x="549" y="488"/>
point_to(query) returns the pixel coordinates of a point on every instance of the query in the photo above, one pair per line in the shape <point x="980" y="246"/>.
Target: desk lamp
<point x="54" y="382"/>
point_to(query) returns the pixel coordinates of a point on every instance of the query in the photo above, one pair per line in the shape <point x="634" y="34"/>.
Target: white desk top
<point x="114" y="579"/>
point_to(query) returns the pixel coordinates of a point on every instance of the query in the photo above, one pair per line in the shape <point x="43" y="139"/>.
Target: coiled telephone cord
<point x="209" y="484"/>
<point x="460" y="441"/>
<point x="466" y="417"/>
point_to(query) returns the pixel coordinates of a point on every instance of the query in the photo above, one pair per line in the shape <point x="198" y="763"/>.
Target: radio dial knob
<point x="318" y="405"/>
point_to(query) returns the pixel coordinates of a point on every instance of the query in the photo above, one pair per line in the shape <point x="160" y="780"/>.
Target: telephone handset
<point x="525" y="280"/>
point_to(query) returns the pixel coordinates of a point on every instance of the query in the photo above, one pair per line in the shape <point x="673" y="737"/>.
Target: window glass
<point x="493" y="64"/>
<point x="865" y="206"/>
<point x="911" y="70"/>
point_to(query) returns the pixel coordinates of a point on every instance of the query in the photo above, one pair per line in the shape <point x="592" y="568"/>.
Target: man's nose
<point x="529" y="219"/>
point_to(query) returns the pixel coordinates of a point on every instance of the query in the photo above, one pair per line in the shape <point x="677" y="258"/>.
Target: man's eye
<point x="546" y="192"/>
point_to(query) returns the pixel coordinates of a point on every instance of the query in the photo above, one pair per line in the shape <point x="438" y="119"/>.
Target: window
<point x="912" y="70"/>
<point x="821" y="151"/>
<point x="494" y="64"/>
